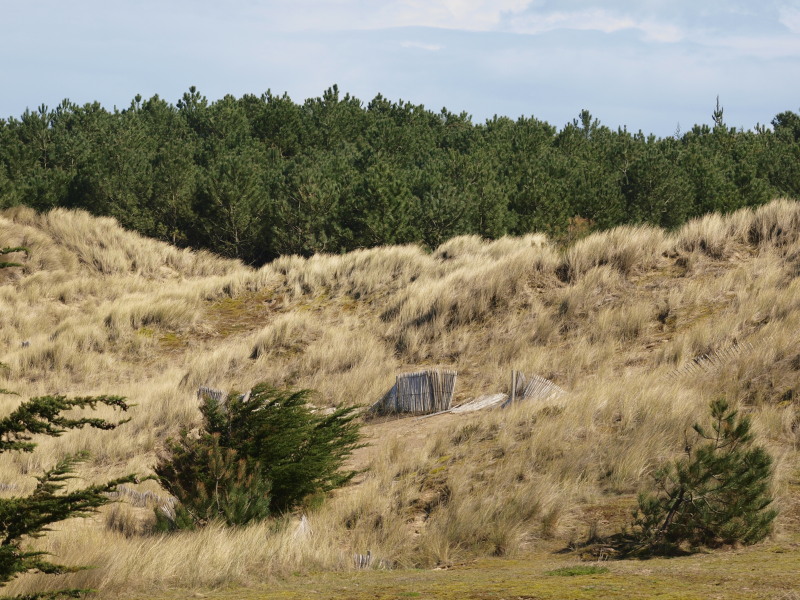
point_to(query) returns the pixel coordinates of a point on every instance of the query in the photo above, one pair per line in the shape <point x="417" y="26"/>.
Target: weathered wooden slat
<point x="541" y="388"/>
<point x="480" y="403"/>
<point x="204" y="391"/>
<point x="141" y="499"/>
<point x="419" y="392"/>
<point x="534" y="388"/>
<point x="363" y="561"/>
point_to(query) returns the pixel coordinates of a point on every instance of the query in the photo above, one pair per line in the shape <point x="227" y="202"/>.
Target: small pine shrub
<point x="258" y="455"/>
<point x="212" y="483"/>
<point x="717" y="494"/>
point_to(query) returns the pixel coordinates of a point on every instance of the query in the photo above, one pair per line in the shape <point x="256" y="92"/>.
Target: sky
<point x="650" y="65"/>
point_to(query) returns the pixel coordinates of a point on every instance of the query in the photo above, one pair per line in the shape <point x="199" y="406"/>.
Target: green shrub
<point x="258" y="455"/>
<point x="212" y="483"/>
<point x="717" y="494"/>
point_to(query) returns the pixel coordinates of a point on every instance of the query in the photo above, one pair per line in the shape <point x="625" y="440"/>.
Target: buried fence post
<point x="363" y="560"/>
<point x="512" y="395"/>
<point x="397" y="394"/>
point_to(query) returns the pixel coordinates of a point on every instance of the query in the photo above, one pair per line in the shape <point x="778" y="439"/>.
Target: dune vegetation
<point x="614" y="319"/>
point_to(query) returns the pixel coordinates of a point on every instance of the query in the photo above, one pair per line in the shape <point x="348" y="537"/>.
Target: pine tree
<point x="260" y="454"/>
<point x="27" y="517"/>
<point x="717" y="115"/>
<point x="717" y="494"/>
<point x="211" y="482"/>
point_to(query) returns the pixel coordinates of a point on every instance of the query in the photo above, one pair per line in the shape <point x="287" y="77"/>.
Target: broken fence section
<point x="423" y="392"/>
<point x="531" y="388"/>
<point x="479" y="403"/>
<point x="363" y="561"/>
<point x="207" y="392"/>
<point x="141" y="499"/>
<point x="366" y="561"/>
<point x="522" y="388"/>
<point x="218" y="395"/>
<point x="711" y="361"/>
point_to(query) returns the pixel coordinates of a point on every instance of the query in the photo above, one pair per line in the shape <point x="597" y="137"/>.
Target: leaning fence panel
<point x="421" y="392"/>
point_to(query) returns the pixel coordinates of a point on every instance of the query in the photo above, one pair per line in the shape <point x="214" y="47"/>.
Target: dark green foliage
<point x="259" y="177"/>
<point x="173" y="518"/>
<point x="23" y="518"/>
<point x="257" y="456"/>
<point x="44" y="416"/>
<point x="212" y="483"/>
<point x="717" y="494"/>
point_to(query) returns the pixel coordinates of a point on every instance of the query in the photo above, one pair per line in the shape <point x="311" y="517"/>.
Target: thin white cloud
<point x="515" y="16"/>
<point x="772" y="47"/>
<point x="597" y="19"/>
<point x="685" y="22"/>
<point x="790" y="18"/>
<point x="466" y="15"/>
<point x="472" y="15"/>
<point x="421" y="46"/>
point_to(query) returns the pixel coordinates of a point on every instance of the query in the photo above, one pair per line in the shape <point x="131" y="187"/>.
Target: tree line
<point x="257" y="177"/>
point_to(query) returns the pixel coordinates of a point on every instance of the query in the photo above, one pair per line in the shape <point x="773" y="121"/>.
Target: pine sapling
<point x="717" y="494"/>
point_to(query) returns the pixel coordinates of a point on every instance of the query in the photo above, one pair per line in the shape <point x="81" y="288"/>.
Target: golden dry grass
<point x="609" y="319"/>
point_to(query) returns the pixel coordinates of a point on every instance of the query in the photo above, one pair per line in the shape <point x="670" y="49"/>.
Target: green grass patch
<point x="577" y="570"/>
<point x="245" y="312"/>
<point x="737" y="574"/>
<point x="172" y="341"/>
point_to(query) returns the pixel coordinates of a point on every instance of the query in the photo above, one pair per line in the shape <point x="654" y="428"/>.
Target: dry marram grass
<point x="610" y="319"/>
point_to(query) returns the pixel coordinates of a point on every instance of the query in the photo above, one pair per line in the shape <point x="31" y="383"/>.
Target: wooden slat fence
<point x="141" y="499"/>
<point x="711" y="361"/>
<point x="420" y="393"/>
<point x="479" y="403"/>
<point x="533" y="387"/>
<point x="218" y="395"/>
<point x="541" y="388"/>
<point x="203" y="392"/>
<point x="363" y="561"/>
<point x="366" y="561"/>
<point x="164" y="504"/>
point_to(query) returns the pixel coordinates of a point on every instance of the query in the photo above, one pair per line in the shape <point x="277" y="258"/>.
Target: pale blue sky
<point x="646" y="64"/>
